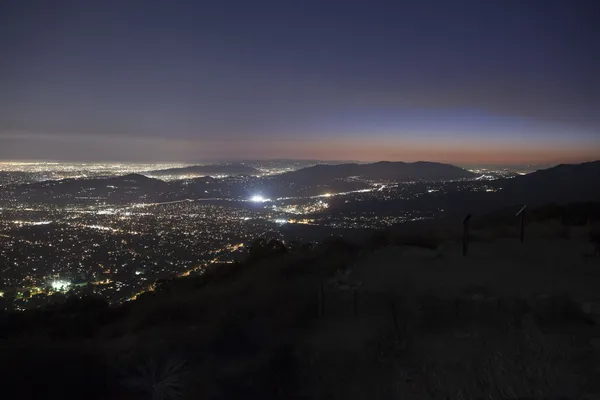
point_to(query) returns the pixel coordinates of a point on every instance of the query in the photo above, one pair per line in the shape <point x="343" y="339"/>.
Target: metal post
<point x="466" y="235"/>
<point x="321" y="302"/>
<point x="522" y="227"/>
<point x="394" y="318"/>
<point x="522" y="214"/>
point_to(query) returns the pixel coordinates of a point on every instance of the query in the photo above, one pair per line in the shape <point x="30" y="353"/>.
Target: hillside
<point x="74" y="184"/>
<point x="125" y="188"/>
<point x="383" y="170"/>
<point x="403" y="313"/>
<point x="563" y="183"/>
<point x="577" y="183"/>
<point x="202" y="170"/>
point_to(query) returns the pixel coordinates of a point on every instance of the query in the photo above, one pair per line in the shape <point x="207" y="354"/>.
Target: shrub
<point x="158" y="379"/>
<point x="262" y="248"/>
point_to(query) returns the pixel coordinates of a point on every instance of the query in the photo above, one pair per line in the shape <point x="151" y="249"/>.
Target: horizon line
<point x="242" y="160"/>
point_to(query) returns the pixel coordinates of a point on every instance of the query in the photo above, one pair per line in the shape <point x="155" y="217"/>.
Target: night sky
<point x="477" y="81"/>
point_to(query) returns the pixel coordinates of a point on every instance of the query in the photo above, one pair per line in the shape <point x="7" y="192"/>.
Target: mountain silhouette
<point x="383" y="170"/>
<point x="561" y="184"/>
<point x="222" y="169"/>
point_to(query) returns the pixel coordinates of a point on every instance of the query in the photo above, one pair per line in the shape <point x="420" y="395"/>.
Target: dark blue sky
<point x="457" y="81"/>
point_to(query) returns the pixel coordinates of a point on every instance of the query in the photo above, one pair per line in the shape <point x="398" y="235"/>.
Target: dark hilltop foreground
<point x="400" y="315"/>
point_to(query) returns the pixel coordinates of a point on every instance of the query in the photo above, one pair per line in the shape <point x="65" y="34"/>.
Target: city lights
<point x="60" y="285"/>
<point x="259" y="199"/>
<point x="116" y="237"/>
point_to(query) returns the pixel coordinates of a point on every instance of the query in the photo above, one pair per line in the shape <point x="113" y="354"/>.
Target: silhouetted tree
<point x="261" y="248"/>
<point x="275" y="246"/>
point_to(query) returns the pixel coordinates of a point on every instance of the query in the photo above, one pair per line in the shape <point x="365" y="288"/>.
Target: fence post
<point x="466" y="234"/>
<point x="522" y="214"/>
<point x="321" y="301"/>
<point x="394" y="318"/>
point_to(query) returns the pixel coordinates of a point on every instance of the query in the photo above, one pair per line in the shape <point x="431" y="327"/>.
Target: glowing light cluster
<point x="60" y="285"/>
<point x="258" y="199"/>
<point x="17" y="222"/>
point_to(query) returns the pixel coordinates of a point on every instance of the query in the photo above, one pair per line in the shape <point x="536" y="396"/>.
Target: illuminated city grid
<point x="118" y="242"/>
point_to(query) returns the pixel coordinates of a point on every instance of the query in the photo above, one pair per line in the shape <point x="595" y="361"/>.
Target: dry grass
<point x="510" y="348"/>
<point x="158" y="379"/>
<point x="252" y="330"/>
<point x="512" y="367"/>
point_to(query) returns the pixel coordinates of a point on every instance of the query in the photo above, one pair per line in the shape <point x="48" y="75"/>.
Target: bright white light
<point x="31" y="223"/>
<point x="106" y="212"/>
<point x="281" y="221"/>
<point x="60" y="285"/>
<point x="258" y="199"/>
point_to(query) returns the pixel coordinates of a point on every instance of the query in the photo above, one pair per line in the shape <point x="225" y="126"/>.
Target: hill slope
<point x="383" y="170"/>
<point x="563" y="183"/>
<point x="284" y="326"/>
<point x="131" y="187"/>
<point x="224" y="169"/>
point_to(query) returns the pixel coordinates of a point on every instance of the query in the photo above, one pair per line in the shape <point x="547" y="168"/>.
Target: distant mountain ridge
<point x="384" y="170"/>
<point x="216" y="169"/>
<point x="128" y="180"/>
<point x="565" y="183"/>
<point x="130" y="187"/>
<point x="562" y="183"/>
<point x="566" y="172"/>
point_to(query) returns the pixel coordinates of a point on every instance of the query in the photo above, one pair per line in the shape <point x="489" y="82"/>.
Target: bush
<point x="159" y="379"/>
<point x="262" y="248"/>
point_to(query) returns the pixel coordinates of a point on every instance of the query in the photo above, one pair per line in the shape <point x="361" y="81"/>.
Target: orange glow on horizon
<point x="420" y="147"/>
<point x="454" y="153"/>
